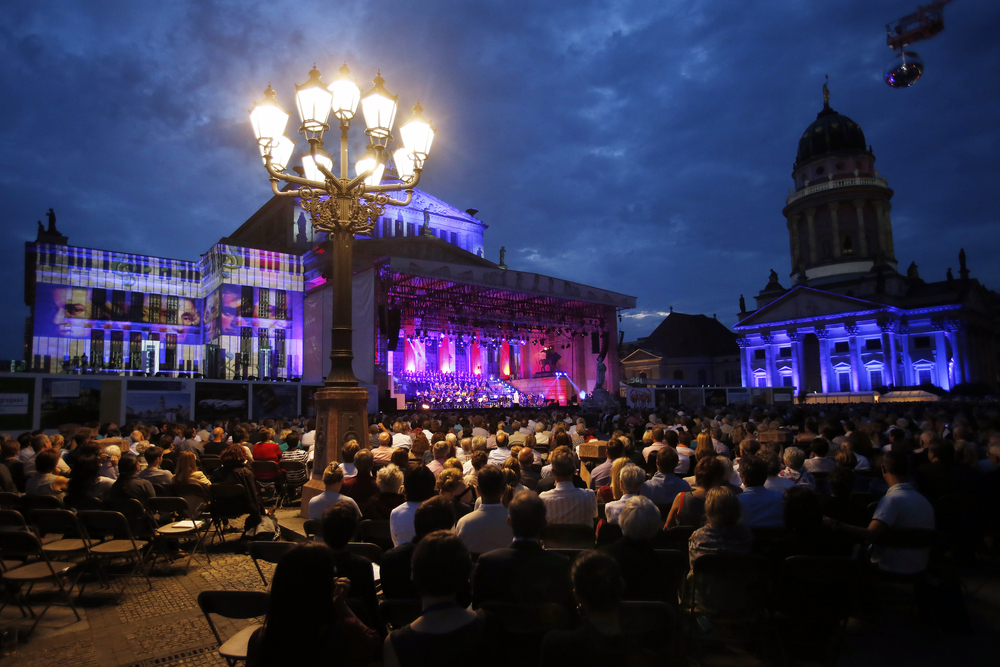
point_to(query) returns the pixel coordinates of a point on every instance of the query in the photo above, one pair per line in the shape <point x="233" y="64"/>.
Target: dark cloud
<point x="643" y="147"/>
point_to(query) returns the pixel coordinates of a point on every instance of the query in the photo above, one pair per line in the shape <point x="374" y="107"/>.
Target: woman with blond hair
<point x="614" y="491"/>
<point x="449" y="481"/>
<point x="722" y="532"/>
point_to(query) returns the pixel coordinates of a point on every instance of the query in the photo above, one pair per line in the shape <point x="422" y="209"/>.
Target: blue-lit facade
<point x="850" y="322"/>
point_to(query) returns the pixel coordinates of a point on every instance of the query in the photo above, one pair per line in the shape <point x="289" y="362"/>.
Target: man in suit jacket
<point x="523" y="573"/>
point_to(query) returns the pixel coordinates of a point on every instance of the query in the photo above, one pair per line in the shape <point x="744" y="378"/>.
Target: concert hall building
<point x="257" y="305"/>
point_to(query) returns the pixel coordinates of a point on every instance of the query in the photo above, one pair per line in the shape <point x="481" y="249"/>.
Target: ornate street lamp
<point x="341" y="207"/>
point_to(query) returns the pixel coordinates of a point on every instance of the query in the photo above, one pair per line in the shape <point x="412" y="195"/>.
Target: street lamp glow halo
<point x="280" y="152"/>
<point x="313" y="100"/>
<point x="417" y="133"/>
<point x="379" y="107"/>
<point x="268" y="119"/>
<point x="311" y="162"/>
<point x="345" y="95"/>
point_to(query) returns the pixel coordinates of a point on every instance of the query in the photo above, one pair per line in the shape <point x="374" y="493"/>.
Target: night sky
<point x="642" y="147"/>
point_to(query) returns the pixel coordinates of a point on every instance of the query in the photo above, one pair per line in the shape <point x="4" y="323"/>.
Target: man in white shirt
<point x="502" y="451"/>
<point x="419" y="485"/>
<point x="902" y="508"/>
<point x="333" y="479"/>
<point x="817" y="461"/>
<point x="477" y="428"/>
<point x="517" y="436"/>
<point x="566" y="503"/>
<point x="486" y="528"/>
<point x="399" y="438"/>
<point x="541" y="435"/>
<point x="657" y="445"/>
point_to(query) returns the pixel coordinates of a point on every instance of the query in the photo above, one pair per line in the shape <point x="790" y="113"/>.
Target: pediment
<point x="805" y="304"/>
<point x="641" y="355"/>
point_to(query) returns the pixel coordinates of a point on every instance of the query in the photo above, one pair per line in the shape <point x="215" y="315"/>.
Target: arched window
<point x="678" y="375"/>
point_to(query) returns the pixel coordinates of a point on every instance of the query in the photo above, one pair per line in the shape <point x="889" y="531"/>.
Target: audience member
<point x="418" y="486"/>
<point x="333" y="480"/>
<point x="566" y="503"/>
<point x="723" y="531"/>
<point x="432" y="515"/>
<point x="663" y="487"/>
<point x="487" y="528"/>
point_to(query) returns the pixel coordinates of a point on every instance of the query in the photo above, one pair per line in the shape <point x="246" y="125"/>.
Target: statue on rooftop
<point x="503" y="253"/>
<point x="52" y="222"/>
<point x="743" y="304"/>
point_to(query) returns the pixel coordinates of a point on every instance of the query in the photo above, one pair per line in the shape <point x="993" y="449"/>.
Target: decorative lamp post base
<point x="341" y="415"/>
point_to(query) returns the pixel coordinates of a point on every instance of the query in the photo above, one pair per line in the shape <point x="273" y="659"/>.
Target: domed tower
<point x="838" y="212"/>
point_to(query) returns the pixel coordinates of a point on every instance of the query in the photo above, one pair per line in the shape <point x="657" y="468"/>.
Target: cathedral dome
<point x="829" y="133"/>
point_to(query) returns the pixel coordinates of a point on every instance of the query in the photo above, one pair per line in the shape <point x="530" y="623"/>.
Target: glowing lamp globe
<point x="346" y="95"/>
<point x="417" y="134"/>
<point x="404" y="163"/>
<point x="281" y="152"/>
<point x="903" y="70"/>
<point x="310" y="164"/>
<point x="379" y="107"/>
<point x="268" y="118"/>
<point x="313" y="99"/>
<point x="369" y="161"/>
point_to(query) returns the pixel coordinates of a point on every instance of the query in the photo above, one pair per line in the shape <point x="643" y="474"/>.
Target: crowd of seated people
<point x="478" y="492"/>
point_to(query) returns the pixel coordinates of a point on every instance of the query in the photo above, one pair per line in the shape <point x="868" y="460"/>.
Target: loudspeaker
<point x="595" y="342"/>
<point x="392" y="327"/>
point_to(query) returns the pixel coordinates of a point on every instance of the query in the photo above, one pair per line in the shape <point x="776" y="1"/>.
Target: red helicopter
<point x="906" y="67"/>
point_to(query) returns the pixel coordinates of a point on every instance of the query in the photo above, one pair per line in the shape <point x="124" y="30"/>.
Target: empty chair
<point x="111" y="537"/>
<point x="233" y="604"/>
<point x="36" y="568"/>
<point x="179" y="522"/>
<point x="376" y="532"/>
<point x="229" y="501"/>
<point x="63" y="523"/>
<point x="209" y="464"/>
<point x="568" y="536"/>
<point x="313" y="528"/>
<point x="195" y="494"/>
<point x="372" y="552"/>
<point x="270" y="552"/>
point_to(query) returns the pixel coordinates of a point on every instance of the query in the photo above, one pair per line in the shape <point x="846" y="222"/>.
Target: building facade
<point x="850" y="321"/>
<point x="685" y="349"/>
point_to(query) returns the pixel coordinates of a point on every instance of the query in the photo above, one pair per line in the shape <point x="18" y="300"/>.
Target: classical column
<point x="835" y="228"/>
<point x="824" y="358"/>
<point x="811" y="228"/>
<point x="793" y="238"/>
<point x="744" y="361"/>
<point x="941" y="358"/>
<point x="906" y="377"/>
<point x="798" y="366"/>
<point x="859" y="206"/>
<point x="889" y="352"/>
<point x="769" y="359"/>
<point x="852" y="332"/>
<point x="884" y="229"/>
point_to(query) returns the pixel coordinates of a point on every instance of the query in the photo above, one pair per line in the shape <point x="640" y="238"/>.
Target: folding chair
<point x="376" y="531"/>
<point x="11" y="520"/>
<point x="31" y="503"/>
<point x="168" y="465"/>
<point x="568" y="536"/>
<point x="270" y="552"/>
<point x="26" y="543"/>
<point x="271" y="479"/>
<point x="398" y="613"/>
<point x="195" y="494"/>
<point x="180" y="523"/>
<point x="72" y="540"/>
<point x="209" y="464"/>
<point x="229" y="501"/>
<point x="729" y="590"/>
<point x="10" y="501"/>
<point x="674" y="538"/>
<point x="813" y="599"/>
<point x="233" y="604"/>
<point x="313" y="528"/>
<point x="297" y="469"/>
<point x="111" y="537"/>
<point x="372" y="552"/>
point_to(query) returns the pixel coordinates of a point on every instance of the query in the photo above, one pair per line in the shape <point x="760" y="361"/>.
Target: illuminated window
<point x="399" y="228"/>
<point x="924" y="376"/>
<point x="411" y="229"/>
<point x="844" y="380"/>
<point x="136" y="306"/>
<point x="279" y="348"/>
<point x="97" y="346"/>
<point x="170" y="353"/>
<point x="117" y="349"/>
<point x="135" y="350"/>
<point x="386" y="228"/>
<point x="263" y="302"/>
<point x="875" y="377"/>
<point x="246" y="301"/>
<point x="154" y="309"/>
<point x="173" y="305"/>
<point x="281" y="305"/>
<point x="246" y="347"/>
<point x="117" y="305"/>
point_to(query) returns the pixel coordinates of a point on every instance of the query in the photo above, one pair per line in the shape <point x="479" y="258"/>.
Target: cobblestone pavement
<point x="129" y="630"/>
<point x="163" y="627"/>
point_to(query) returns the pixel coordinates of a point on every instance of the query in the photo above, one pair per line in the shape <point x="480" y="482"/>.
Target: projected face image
<point x="189" y="315"/>
<point x="70" y="304"/>
<point x="230" y="312"/>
